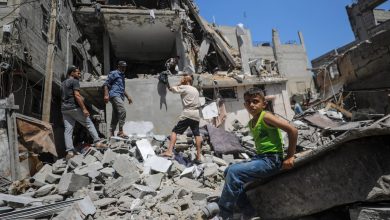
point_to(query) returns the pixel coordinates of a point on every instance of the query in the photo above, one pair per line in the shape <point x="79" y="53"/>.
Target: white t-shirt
<point x="190" y="100"/>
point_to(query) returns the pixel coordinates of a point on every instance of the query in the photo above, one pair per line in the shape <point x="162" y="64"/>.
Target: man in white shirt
<point x="189" y="117"/>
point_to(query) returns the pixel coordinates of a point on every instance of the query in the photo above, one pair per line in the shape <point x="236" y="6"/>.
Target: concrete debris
<point x="71" y="182"/>
<point x="123" y="166"/>
<point x="145" y="149"/>
<point x="158" y="164"/>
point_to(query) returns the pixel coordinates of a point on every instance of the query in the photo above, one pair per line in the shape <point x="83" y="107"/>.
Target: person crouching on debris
<point x="189" y="117"/>
<point x="265" y="128"/>
<point x="114" y="91"/>
<point x="73" y="109"/>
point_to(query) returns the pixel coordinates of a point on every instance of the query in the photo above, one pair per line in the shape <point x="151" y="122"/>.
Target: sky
<point x="324" y="23"/>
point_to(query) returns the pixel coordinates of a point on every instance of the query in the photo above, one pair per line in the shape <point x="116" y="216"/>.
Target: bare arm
<point x="292" y="132"/>
<point x="80" y="101"/>
<point x="106" y="96"/>
<point x="128" y="98"/>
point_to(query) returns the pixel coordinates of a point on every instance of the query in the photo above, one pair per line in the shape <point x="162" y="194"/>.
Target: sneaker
<point x="69" y="155"/>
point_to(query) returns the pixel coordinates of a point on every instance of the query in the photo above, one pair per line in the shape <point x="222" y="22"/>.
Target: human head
<point x="186" y="79"/>
<point x="254" y="101"/>
<point x="74" y="72"/>
<point x="122" y="66"/>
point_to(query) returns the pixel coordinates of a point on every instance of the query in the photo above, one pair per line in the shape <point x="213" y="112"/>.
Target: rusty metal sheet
<point x="36" y="136"/>
<point x="321" y="121"/>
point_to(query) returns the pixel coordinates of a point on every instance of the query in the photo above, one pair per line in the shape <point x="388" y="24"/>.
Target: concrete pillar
<point x="302" y="40"/>
<point x="185" y="63"/>
<point x="276" y="43"/>
<point x="244" y="46"/>
<point x="106" y="54"/>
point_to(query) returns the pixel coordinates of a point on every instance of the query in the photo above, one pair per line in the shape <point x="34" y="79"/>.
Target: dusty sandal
<point x="122" y="135"/>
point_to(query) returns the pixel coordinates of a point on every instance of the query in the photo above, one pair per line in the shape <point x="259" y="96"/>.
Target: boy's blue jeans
<point x="236" y="175"/>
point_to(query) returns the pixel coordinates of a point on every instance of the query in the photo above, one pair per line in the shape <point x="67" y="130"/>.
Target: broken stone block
<point x="139" y="191"/>
<point x="158" y="164"/>
<point x="104" y="202"/>
<point x="229" y="158"/>
<point x="191" y="172"/>
<point x="94" y="152"/>
<point x="200" y="193"/>
<point x="86" y="206"/>
<point x="59" y="166"/>
<point x="89" y="159"/>
<point x="52" y="178"/>
<point x="186" y="182"/>
<point x="165" y="193"/>
<point x="167" y="209"/>
<point x="210" y="171"/>
<point x="85" y="169"/>
<point x="108" y="171"/>
<point x="40" y="177"/>
<point x="246" y="138"/>
<point x="93" y="174"/>
<point x="121" y="184"/>
<point x="154" y="181"/>
<point x="136" y="205"/>
<point x="109" y="156"/>
<point x="123" y="166"/>
<point x="70" y="183"/>
<point x="371" y="213"/>
<point x="45" y="190"/>
<point x="250" y="144"/>
<point x="219" y="161"/>
<point x="222" y="169"/>
<point x="125" y="200"/>
<point x="76" y="161"/>
<point x="145" y="149"/>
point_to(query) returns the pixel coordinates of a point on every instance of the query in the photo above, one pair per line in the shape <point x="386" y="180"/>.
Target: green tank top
<point x="267" y="139"/>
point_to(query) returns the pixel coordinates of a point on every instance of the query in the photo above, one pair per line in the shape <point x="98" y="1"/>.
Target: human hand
<point x="106" y="98"/>
<point x="86" y="113"/>
<point x="130" y="100"/>
<point x="288" y="163"/>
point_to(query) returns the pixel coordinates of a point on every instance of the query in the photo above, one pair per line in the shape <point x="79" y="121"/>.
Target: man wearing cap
<point x="73" y="109"/>
<point x="114" y="91"/>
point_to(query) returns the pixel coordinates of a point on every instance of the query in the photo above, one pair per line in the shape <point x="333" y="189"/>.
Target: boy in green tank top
<point x="265" y="128"/>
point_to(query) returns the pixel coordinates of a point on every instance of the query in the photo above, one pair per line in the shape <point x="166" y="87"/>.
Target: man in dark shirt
<point x="114" y="91"/>
<point x="73" y="109"/>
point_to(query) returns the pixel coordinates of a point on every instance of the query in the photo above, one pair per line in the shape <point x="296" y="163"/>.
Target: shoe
<point x="69" y="156"/>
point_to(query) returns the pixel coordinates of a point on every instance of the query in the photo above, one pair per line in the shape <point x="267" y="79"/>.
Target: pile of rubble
<point x="126" y="180"/>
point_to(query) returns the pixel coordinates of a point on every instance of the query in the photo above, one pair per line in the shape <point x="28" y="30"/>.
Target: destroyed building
<point x="24" y="43"/>
<point x="360" y="69"/>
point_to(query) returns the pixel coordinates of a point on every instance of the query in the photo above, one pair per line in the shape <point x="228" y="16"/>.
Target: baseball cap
<point x="71" y="69"/>
<point x="122" y="63"/>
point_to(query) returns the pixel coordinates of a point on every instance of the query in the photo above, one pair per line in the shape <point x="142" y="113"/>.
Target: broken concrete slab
<point x="59" y="166"/>
<point x="52" y="178"/>
<point x="158" y="164"/>
<point x="372" y="213"/>
<point x="154" y="181"/>
<point x="76" y="161"/>
<point x="145" y="149"/>
<point x="104" y="202"/>
<point x="40" y="177"/>
<point x="45" y="190"/>
<point x="191" y="172"/>
<point x="70" y="183"/>
<point x="108" y="171"/>
<point x="109" y="156"/>
<point x="219" y="161"/>
<point x="186" y="182"/>
<point x="86" y="206"/>
<point x="53" y="198"/>
<point x="210" y="171"/>
<point x="139" y="191"/>
<point x="89" y="159"/>
<point x="19" y="199"/>
<point x="85" y="169"/>
<point x="123" y="166"/>
<point x="120" y="185"/>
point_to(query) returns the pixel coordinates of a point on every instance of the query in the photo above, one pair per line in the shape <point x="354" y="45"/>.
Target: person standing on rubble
<point x="73" y="109"/>
<point x="189" y="117"/>
<point x="172" y="64"/>
<point x="114" y="91"/>
<point x="265" y="128"/>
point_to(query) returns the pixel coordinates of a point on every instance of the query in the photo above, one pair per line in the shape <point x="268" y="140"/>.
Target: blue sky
<point x="324" y="23"/>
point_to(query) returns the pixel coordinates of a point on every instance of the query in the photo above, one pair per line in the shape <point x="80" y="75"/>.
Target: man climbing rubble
<point x="189" y="117"/>
<point x="73" y="109"/>
<point x="114" y="91"/>
<point x="265" y="128"/>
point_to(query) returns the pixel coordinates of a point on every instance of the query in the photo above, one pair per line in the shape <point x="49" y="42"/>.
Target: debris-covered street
<point x="116" y="109"/>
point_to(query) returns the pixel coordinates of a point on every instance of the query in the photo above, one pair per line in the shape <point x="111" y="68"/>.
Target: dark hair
<point x="71" y="69"/>
<point x="254" y="91"/>
<point x="189" y="78"/>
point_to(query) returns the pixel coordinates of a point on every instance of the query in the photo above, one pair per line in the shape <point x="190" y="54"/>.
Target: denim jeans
<point x="70" y="118"/>
<point x="236" y="175"/>
<point x="118" y="113"/>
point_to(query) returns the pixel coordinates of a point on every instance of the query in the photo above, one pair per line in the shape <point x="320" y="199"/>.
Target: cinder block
<point x="70" y="183"/>
<point x="158" y="164"/>
<point x="123" y="166"/>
